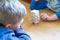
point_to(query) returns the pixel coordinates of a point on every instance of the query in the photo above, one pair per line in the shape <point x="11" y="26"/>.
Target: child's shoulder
<point x="4" y="30"/>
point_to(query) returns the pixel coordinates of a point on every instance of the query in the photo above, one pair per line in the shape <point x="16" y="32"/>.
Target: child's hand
<point x="46" y="17"/>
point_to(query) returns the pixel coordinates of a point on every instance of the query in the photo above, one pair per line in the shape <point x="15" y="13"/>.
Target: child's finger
<point x="41" y="15"/>
<point x="44" y="17"/>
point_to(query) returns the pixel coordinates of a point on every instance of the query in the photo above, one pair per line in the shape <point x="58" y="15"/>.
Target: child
<point x="54" y="5"/>
<point x="12" y="13"/>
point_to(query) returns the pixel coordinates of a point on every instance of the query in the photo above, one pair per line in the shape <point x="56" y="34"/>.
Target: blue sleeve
<point x="58" y="14"/>
<point x="10" y="35"/>
<point x="38" y="5"/>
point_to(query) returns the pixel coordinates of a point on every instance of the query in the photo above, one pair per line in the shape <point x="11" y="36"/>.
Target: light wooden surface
<point x="43" y="30"/>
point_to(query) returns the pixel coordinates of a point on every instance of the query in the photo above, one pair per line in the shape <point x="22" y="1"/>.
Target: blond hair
<point x="11" y="11"/>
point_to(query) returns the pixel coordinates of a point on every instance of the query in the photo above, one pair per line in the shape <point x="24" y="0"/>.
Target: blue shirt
<point x="54" y="5"/>
<point x="9" y="34"/>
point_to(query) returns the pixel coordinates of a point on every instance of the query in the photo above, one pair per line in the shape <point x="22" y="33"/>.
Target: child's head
<point x="11" y="12"/>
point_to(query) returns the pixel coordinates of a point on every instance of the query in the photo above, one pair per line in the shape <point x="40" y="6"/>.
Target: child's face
<point x="15" y="26"/>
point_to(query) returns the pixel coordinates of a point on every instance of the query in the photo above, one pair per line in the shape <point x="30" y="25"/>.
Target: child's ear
<point x="8" y="25"/>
